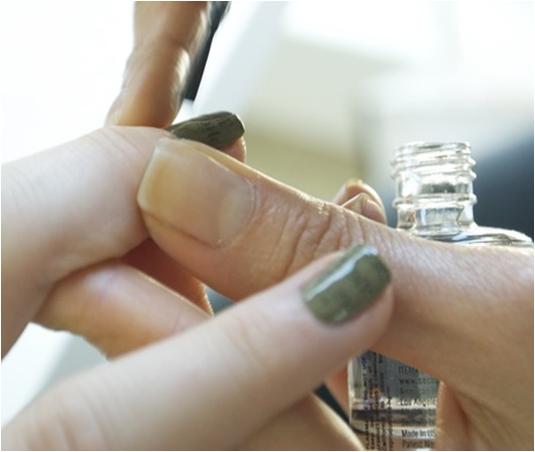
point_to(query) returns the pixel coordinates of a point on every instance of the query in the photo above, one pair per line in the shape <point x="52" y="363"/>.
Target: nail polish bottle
<point x="393" y="405"/>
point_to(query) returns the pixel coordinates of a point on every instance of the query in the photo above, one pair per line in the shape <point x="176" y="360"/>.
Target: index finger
<point x="167" y="35"/>
<point x="231" y="374"/>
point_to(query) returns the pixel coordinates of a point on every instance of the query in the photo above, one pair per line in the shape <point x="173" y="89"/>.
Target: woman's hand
<point x="463" y="314"/>
<point x="452" y="314"/>
<point x="167" y="37"/>
<point x="443" y="325"/>
<point x="63" y="268"/>
<point x="69" y="213"/>
<point x="45" y="238"/>
<point x="210" y="388"/>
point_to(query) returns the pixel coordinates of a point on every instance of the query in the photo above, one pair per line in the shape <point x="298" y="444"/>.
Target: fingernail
<point x="364" y="205"/>
<point x="345" y="192"/>
<point x="186" y="187"/>
<point x="352" y="184"/>
<point x="371" y="192"/>
<point x="218" y="130"/>
<point x="346" y="288"/>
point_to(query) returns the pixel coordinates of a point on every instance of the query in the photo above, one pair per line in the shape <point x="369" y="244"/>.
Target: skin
<point x="69" y="272"/>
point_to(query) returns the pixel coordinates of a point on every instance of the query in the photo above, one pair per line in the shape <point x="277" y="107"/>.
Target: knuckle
<point x="324" y="228"/>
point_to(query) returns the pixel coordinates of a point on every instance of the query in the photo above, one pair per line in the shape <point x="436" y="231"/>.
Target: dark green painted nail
<point x="348" y="286"/>
<point x="218" y="130"/>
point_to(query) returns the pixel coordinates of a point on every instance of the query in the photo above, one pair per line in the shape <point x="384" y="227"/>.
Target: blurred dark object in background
<point x="504" y="189"/>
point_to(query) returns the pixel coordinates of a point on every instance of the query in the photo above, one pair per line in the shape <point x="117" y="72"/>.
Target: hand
<point x="123" y="300"/>
<point x="429" y="305"/>
<point x="167" y="36"/>
<point x="69" y="213"/>
<point x="112" y="304"/>
<point x="463" y="315"/>
<point x="129" y="149"/>
<point x="80" y="256"/>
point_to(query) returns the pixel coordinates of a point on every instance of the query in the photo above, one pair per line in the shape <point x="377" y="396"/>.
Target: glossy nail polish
<point x="217" y="130"/>
<point x="348" y="286"/>
<point x="393" y="405"/>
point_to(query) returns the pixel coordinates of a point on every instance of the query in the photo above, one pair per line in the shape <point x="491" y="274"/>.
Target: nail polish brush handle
<point x="217" y="12"/>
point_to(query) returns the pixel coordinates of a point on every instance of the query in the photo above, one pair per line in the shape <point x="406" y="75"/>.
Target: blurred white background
<point x="326" y="89"/>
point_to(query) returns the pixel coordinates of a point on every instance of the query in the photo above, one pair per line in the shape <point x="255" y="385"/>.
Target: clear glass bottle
<point x="393" y="405"/>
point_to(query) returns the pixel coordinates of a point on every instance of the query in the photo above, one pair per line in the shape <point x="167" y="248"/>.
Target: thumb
<point x="244" y="231"/>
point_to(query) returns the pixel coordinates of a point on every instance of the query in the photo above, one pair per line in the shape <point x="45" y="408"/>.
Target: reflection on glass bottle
<point x="393" y="405"/>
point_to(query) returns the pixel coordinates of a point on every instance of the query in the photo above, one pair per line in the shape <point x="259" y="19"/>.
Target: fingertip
<point x="346" y="191"/>
<point x="343" y="294"/>
<point x="363" y="204"/>
<point x="336" y="308"/>
<point x="237" y="150"/>
<point x="368" y="189"/>
<point x="219" y="130"/>
<point x="353" y="187"/>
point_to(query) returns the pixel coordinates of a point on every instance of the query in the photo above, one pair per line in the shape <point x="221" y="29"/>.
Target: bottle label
<point x="393" y="405"/>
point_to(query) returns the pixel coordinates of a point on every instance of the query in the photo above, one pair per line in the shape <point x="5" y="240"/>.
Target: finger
<point x="164" y="396"/>
<point x="74" y="205"/>
<point x="355" y="187"/>
<point x="237" y="150"/>
<point x="245" y="231"/>
<point x="152" y="261"/>
<point x="117" y="308"/>
<point x="219" y="130"/>
<point x="359" y="202"/>
<point x="224" y="131"/>
<point x="363" y="204"/>
<point x="166" y="38"/>
<point x="452" y="423"/>
<point x="362" y="199"/>
<point x="337" y="386"/>
<point x="65" y="208"/>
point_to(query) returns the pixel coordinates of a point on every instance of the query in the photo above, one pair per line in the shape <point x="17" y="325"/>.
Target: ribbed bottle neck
<point x="434" y="187"/>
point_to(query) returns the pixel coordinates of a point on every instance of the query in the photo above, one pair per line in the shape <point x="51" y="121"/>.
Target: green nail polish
<point x="348" y="286"/>
<point x="218" y="130"/>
